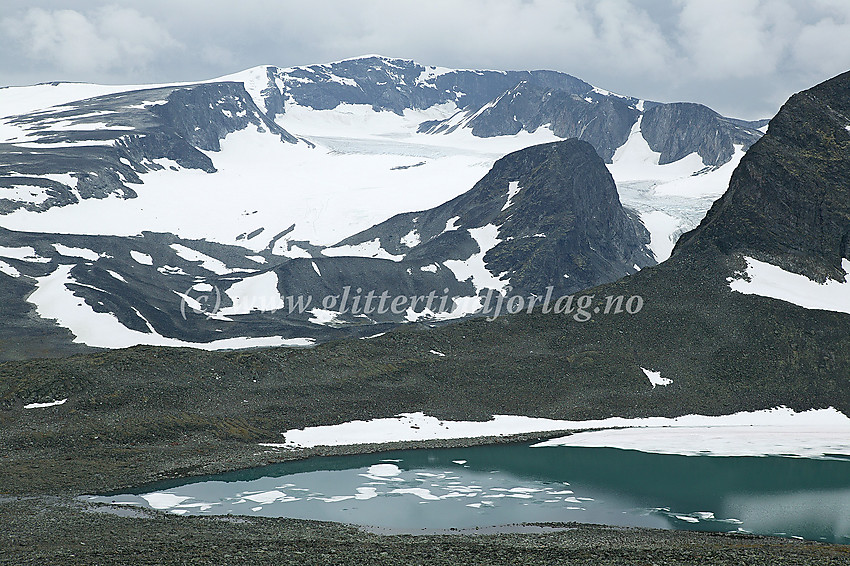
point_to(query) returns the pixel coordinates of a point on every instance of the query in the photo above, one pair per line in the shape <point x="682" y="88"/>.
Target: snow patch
<point x="474" y="267"/>
<point x="84" y="253"/>
<point x="323" y="316"/>
<point x="372" y="249"/>
<point x="141" y="258"/>
<point x="116" y="275"/>
<point x="255" y="293"/>
<point x="771" y="432"/>
<point x="45" y="405"/>
<point x="411" y="239"/>
<point x="451" y="224"/>
<point x="771" y="281"/>
<point x="513" y="190"/>
<point x="8" y="269"/>
<point x="207" y="262"/>
<point x="779" y="431"/>
<point x="287" y="249"/>
<point x="655" y="378"/>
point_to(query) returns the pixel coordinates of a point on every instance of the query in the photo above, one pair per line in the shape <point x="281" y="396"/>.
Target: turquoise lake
<point x="486" y="486"/>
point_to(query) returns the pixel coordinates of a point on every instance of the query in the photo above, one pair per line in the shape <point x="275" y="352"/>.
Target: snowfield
<point x="777" y="432"/>
<point x="771" y="281"/>
<point x="671" y="199"/>
<point x="54" y="300"/>
<point x="359" y="168"/>
<point x="366" y="166"/>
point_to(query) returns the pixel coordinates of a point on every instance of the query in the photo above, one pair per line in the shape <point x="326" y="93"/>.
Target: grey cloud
<point x="741" y="57"/>
<point x="88" y="43"/>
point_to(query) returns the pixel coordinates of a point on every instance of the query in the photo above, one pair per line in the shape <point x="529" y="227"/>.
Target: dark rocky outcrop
<point x="398" y="84"/>
<point x="789" y="199"/>
<point x="565" y="226"/>
<point x="679" y="129"/>
<point x="603" y="121"/>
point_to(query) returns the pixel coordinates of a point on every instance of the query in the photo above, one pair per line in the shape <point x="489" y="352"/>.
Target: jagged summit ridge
<point x="500" y="103"/>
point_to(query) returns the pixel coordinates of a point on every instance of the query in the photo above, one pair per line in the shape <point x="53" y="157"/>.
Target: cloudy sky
<point x="741" y="57"/>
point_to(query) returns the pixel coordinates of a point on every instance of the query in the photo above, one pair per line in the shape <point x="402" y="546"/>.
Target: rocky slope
<point x="94" y="148"/>
<point x="555" y="217"/>
<point x="133" y="205"/>
<point x="789" y="200"/>
<point x="544" y="216"/>
<point x="679" y="129"/>
<point x="143" y="413"/>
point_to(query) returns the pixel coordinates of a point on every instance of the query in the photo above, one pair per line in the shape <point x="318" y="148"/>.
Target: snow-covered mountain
<point x="120" y="205"/>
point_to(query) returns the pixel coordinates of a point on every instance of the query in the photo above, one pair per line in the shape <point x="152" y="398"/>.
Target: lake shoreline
<point x="47" y="524"/>
<point x="61" y="530"/>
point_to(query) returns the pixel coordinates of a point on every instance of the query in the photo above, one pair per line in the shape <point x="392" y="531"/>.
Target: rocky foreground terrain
<point x="46" y="530"/>
<point x="146" y="413"/>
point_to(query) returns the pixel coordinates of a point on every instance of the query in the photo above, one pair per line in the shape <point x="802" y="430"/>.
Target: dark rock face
<point x="571" y="198"/>
<point x="399" y="84"/>
<point x="205" y="114"/>
<point x="679" y="129"/>
<point x="564" y="227"/>
<point x="143" y="149"/>
<point x="789" y="199"/>
<point x="602" y="121"/>
<point x="131" y="130"/>
<point x="272" y="95"/>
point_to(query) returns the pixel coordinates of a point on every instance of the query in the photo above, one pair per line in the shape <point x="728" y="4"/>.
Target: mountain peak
<point x="789" y="199"/>
<point x="372" y="56"/>
<point x="554" y="219"/>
